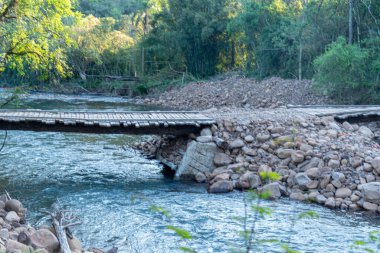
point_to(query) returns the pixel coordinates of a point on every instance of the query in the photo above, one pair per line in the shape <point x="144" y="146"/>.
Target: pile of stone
<point x="319" y="160"/>
<point x="17" y="236"/>
<point x="240" y="92"/>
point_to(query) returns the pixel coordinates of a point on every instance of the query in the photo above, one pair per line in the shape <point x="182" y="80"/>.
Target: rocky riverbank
<point x="240" y="92"/>
<point x="318" y="159"/>
<point x="17" y="236"/>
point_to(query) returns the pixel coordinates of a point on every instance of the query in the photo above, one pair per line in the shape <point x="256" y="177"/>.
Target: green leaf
<point x="262" y="211"/>
<point x="287" y="249"/>
<point x="160" y="210"/>
<point x="360" y="243"/>
<point x="185" y="249"/>
<point x="308" y="215"/>
<point x="180" y="232"/>
<point x="269" y="176"/>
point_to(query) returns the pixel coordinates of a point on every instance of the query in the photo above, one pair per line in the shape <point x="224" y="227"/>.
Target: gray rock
<point x="75" y="245"/>
<point x="249" y="151"/>
<point x="320" y="199"/>
<point x="200" y="177"/>
<point x="221" y="187"/>
<point x="204" y="139"/>
<point x="284" y="153"/>
<point x="338" y="176"/>
<point x="262" y="137"/>
<point x="330" y="202"/>
<point x="199" y="157"/>
<point x="370" y="206"/>
<point x="13" y="205"/>
<point x="252" y="179"/>
<point x="343" y="193"/>
<point x="356" y="161"/>
<point x="273" y="189"/>
<point x="312" y="173"/>
<point x="206" y="132"/>
<point x="16" y="247"/>
<point x="44" y="239"/>
<point x="314" y="162"/>
<point x="302" y="180"/>
<point x="376" y="164"/>
<point x="371" y="192"/>
<point x="2" y="205"/>
<point x="297" y="196"/>
<point x="265" y="168"/>
<point x="238" y="143"/>
<point x="365" y="131"/>
<point x="306" y="147"/>
<point x="4" y="234"/>
<point x="12" y="217"/>
<point x="221" y="159"/>
<point x="348" y="126"/>
<point x="334" y="164"/>
<point x="249" y="138"/>
<point x="298" y="156"/>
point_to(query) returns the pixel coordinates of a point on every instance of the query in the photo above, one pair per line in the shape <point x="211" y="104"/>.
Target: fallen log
<point x="61" y="223"/>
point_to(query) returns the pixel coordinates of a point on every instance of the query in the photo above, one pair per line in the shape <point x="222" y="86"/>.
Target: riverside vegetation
<point x="102" y="45"/>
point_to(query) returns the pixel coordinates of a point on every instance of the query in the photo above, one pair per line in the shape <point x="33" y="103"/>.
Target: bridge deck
<point x="352" y="113"/>
<point x="152" y="122"/>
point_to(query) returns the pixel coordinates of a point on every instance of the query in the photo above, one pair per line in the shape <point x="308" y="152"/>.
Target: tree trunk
<point x="350" y="31"/>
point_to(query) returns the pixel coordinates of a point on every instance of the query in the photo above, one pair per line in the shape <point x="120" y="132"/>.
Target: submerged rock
<point x="223" y="186"/>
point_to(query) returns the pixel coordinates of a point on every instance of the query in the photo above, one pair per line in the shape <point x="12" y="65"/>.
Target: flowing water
<point x="112" y="189"/>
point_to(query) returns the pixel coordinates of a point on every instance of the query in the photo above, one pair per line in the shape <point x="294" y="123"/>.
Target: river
<point x="112" y="189"/>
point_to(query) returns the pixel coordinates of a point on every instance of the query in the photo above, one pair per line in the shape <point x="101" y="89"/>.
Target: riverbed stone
<point x="249" y="138"/>
<point x="343" y="193"/>
<point x="221" y="159"/>
<point x="371" y="192"/>
<point x="45" y="239"/>
<point x="298" y="156"/>
<point x="347" y="126"/>
<point x="261" y="137"/>
<point x="75" y="245"/>
<point x="13" y="205"/>
<point x="312" y="173"/>
<point x="14" y="246"/>
<point x="223" y="186"/>
<point x="206" y="132"/>
<point x="238" y="143"/>
<point x="370" y="206"/>
<point x="297" y="196"/>
<point x="200" y="177"/>
<point x="302" y="180"/>
<point x="204" y="139"/>
<point x="376" y="164"/>
<point x="249" y="151"/>
<point x="365" y="131"/>
<point x="250" y="179"/>
<point x="284" y="153"/>
<point x="273" y="189"/>
<point x="320" y="199"/>
<point x="330" y="202"/>
<point x="12" y="217"/>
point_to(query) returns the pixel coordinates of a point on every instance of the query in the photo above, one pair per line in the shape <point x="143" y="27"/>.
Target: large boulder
<point x="371" y="192"/>
<point x="12" y="217"/>
<point x="199" y="157"/>
<point x="44" y="239"/>
<point x="221" y="187"/>
<point x="365" y="131"/>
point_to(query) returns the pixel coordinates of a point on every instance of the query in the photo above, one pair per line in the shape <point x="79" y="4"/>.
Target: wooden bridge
<point x="159" y="122"/>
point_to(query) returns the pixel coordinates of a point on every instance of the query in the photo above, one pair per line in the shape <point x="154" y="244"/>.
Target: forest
<point x="336" y="43"/>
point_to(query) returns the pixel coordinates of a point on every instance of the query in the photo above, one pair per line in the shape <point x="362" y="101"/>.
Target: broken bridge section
<point x="137" y="122"/>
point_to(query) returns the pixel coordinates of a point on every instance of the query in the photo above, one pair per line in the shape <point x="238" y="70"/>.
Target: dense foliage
<point x="51" y="41"/>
